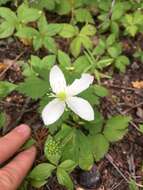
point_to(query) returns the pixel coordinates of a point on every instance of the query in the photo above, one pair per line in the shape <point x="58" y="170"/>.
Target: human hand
<point x="13" y="173"/>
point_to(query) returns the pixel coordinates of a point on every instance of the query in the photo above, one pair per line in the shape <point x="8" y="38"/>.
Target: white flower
<point x="66" y="95"/>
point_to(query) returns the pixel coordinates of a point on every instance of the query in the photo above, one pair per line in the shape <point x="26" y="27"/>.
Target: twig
<point x="120" y="87"/>
<point x="109" y="158"/>
<point x="117" y="185"/>
<point x="133" y="107"/>
<point x="131" y="122"/>
<point x="10" y="65"/>
<point x="131" y="164"/>
<point x="5" y="103"/>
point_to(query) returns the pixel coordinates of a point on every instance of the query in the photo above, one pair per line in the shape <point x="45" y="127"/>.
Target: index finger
<point x="13" y="173"/>
<point x="11" y="142"/>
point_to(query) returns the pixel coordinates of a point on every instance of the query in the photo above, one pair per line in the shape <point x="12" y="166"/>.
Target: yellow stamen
<point x="62" y="96"/>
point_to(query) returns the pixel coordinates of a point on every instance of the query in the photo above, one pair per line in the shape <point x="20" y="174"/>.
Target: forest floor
<point x="124" y="159"/>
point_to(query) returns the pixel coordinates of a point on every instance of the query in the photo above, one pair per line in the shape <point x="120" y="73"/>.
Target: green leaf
<point x="48" y="62"/>
<point x="116" y="127"/>
<point x="6" y="88"/>
<point x="37" y="183"/>
<point x="86" y="42"/>
<point x="111" y="39"/>
<point x="42" y="67"/>
<point x="100" y="146"/>
<point x="2" y="119"/>
<point x="64" y="179"/>
<point x="8" y="15"/>
<point x="118" y="11"/>
<point x="26" y="14"/>
<point x="65" y="134"/>
<point x="26" y="32"/>
<point x="75" y="46"/>
<point x="115" y="28"/>
<point x="42" y="24"/>
<point x="43" y="102"/>
<point x="100" y="48"/>
<point x="132" y="185"/>
<point x="76" y="148"/>
<point x="44" y="4"/>
<point x="48" y="29"/>
<point x="33" y="87"/>
<point x="104" y="5"/>
<point x="104" y="62"/>
<point x="63" y="7"/>
<point x="121" y="63"/>
<point x="115" y="51"/>
<point x="37" y="41"/>
<point x="132" y="30"/>
<point x="42" y="171"/>
<point x="100" y="91"/>
<point x="68" y="165"/>
<point x="81" y="64"/>
<point x="85" y="152"/>
<point x="64" y="59"/>
<point x="50" y="44"/>
<point x="28" y="144"/>
<point x="88" y="30"/>
<point x="6" y="30"/>
<point x="138" y="18"/>
<point x="105" y="26"/>
<point x="67" y="31"/>
<point x="7" y="27"/>
<point x="83" y="15"/>
<point x="141" y="128"/>
<point x="53" y="29"/>
<point x="90" y="96"/>
<point x="71" y="148"/>
<point x="95" y="127"/>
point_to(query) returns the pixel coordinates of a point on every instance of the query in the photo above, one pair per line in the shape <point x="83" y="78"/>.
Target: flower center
<point x="62" y="96"/>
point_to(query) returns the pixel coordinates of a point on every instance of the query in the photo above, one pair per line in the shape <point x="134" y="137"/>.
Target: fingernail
<point x="23" y="129"/>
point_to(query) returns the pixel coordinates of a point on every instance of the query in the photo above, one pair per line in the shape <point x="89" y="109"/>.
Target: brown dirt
<point x="125" y="158"/>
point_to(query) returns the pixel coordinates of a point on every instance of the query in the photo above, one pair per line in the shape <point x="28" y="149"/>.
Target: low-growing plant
<point x="66" y="84"/>
<point x="80" y="134"/>
<point x="133" y="23"/>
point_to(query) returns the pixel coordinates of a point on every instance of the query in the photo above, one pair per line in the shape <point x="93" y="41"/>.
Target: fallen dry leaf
<point x="26" y="42"/>
<point x="137" y="84"/>
<point x="2" y="66"/>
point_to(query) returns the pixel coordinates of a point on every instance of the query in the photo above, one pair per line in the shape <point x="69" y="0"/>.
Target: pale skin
<point x="13" y="173"/>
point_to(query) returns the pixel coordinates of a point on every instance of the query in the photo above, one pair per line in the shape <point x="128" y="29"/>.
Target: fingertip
<point x="32" y="150"/>
<point x="23" y="130"/>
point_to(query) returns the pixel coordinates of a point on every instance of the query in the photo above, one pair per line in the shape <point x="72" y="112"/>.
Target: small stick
<point x="133" y="107"/>
<point x="9" y="66"/>
<point x="120" y="87"/>
<point x="109" y="158"/>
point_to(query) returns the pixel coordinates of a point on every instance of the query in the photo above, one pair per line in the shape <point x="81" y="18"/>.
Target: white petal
<point x="80" y="85"/>
<point x="81" y="107"/>
<point x="53" y="111"/>
<point x="57" y="79"/>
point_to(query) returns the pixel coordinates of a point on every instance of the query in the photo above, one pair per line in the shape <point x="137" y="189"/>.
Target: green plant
<point x="72" y="136"/>
<point x="19" y="21"/>
<point x="76" y="137"/>
<point x="81" y="38"/>
<point x="133" y="23"/>
<point x="111" y="49"/>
